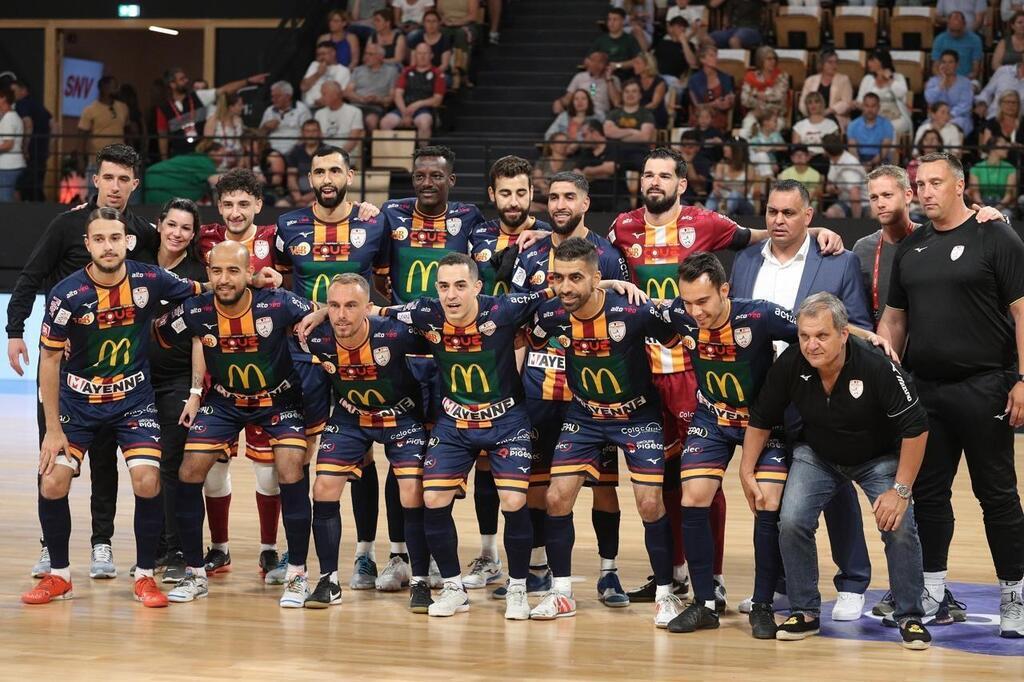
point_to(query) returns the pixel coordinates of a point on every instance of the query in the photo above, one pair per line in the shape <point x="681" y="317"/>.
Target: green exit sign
<point x="129" y="11"/>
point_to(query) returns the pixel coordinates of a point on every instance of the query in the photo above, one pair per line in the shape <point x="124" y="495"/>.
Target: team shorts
<point x="316" y="395"/>
<point x="709" y="449"/>
<point x="548" y="419"/>
<point x="219" y="420"/>
<point x="133" y="420"/>
<point x="343" y="446"/>
<point x="424" y="369"/>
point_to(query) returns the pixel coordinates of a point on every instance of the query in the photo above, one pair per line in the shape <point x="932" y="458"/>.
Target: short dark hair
<point x="510" y="166"/>
<point x="833" y="144"/>
<point x="954" y="163"/>
<point x="386" y="15"/>
<point x="792" y="186"/>
<point x="618" y="10"/>
<point x="105" y="213"/>
<point x="577" y="248"/>
<point x="575" y="177"/>
<point x="239" y="179"/>
<point x="104" y="82"/>
<point x="633" y="81"/>
<point x="438" y="151"/>
<point x="679" y="20"/>
<point x="703" y="263"/>
<point x="669" y="154"/>
<point x="325" y="43"/>
<point x="7" y="95"/>
<point x="121" y="155"/>
<point x="594" y="125"/>
<point x="952" y="53"/>
<point x="873" y="96"/>
<point x="328" y="149"/>
<point x="456" y="258"/>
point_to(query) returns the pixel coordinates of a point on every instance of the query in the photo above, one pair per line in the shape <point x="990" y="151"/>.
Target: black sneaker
<point x="915" y="635"/>
<point x="327" y="593"/>
<point x="694" y="617"/>
<point x="419" y="597"/>
<point x="720" y="597"/>
<point x="762" y="621"/>
<point x="162" y="561"/>
<point x="174" y="569"/>
<point x="645" y="593"/>
<point x="885" y="606"/>
<point x="268" y="561"/>
<point x="217" y="561"/>
<point x="798" y="626"/>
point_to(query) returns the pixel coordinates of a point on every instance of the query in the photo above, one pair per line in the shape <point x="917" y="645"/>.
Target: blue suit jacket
<point x="839" y="275"/>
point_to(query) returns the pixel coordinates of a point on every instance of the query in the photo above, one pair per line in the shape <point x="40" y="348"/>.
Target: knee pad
<point x="266" y="479"/>
<point x="218" y="480"/>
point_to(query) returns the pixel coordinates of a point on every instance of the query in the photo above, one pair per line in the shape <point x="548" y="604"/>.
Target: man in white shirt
<point x="342" y="124"/>
<point x="846" y="179"/>
<point x="1008" y="77"/>
<point x="598" y="81"/>
<point x="322" y="69"/>
<point x="282" y="120"/>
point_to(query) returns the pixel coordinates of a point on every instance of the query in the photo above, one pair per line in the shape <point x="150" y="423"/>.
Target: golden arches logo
<point x="321" y="279"/>
<point x="467" y="377"/>
<point x="667" y="288"/>
<point x="243" y="376"/>
<point x="721" y="383"/>
<point x="365" y="397"/>
<point x="501" y="288"/>
<point x="121" y="346"/>
<point x="425" y="270"/>
<point x="597" y="381"/>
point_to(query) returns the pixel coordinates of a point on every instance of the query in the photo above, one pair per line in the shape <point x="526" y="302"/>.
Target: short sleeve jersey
<point x="260" y="245"/>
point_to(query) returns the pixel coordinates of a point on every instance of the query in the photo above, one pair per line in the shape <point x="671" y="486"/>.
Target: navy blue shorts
<point x="219" y="420"/>
<point x="133" y="420"/>
<point x="582" y="445"/>
<point x="344" y="443"/>
<point x="316" y="395"/>
<point x="425" y="371"/>
<point x="709" y="448"/>
<point x="548" y="420"/>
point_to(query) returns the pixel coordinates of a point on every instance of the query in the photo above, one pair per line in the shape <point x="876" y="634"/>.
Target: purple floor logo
<point x="979" y="635"/>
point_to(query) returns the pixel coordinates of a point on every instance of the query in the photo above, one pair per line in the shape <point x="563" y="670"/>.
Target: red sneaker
<point x="147" y="592"/>
<point x="51" y="587"/>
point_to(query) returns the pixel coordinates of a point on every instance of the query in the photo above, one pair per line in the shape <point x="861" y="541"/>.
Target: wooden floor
<point x="240" y="632"/>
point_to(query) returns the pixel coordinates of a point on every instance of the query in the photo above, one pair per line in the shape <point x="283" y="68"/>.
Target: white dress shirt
<point x="779" y="282"/>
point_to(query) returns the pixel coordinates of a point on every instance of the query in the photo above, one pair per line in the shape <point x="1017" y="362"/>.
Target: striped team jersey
<point x="654" y="253"/>
<point x="260" y="244"/>
<point x="105" y="331"/>
<point x="419" y="241"/>
<point x="605" y="355"/>
<point x="246" y="353"/>
<point x="544" y="370"/>
<point x="373" y="382"/>
<point x="732" y="361"/>
<point x="487" y="240"/>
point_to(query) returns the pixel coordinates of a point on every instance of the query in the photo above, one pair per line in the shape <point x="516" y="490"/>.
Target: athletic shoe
<point x="645" y="593"/>
<point x="42" y="567"/>
<point x="364" y="573"/>
<point x="174" y="569"/>
<point x="102" y="564"/>
<point x="327" y="593"/>
<point x="944" y="612"/>
<point x="848" y="606"/>
<point x="295" y="592"/>
<point x="268" y="562"/>
<point x="453" y="599"/>
<point x="536" y="585"/>
<point x="554" y="605"/>
<point x="189" y="588"/>
<point x="610" y="592"/>
<point x="762" y="621"/>
<point x="147" y="592"/>
<point x="277" y="575"/>
<point x="668" y="607"/>
<point x="517" y="606"/>
<point x="434" y="579"/>
<point x="161" y="562"/>
<point x="482" y="572"/>
<point x="1011" y="618"/>
<point x="886" y="606"/>
<point x="721" y="597"/>
<point x="217" y="561"/>
<point x="419" y="597"/>
<point x="395" y="575"/>
<point x="798" y="626"/>
<point x="780" y="602"/>
<point x="694" y="617"/>
<point x="914" y="635"/>
<point x="50" y="588"/>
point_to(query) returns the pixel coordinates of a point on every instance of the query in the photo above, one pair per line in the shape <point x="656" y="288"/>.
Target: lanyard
<point x="878" y="259"/>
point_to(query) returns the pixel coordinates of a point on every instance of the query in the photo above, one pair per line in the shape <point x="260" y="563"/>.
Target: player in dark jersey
<point x="99" y="318"/>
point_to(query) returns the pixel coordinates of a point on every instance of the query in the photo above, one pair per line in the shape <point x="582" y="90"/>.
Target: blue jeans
<point x="8" y="180"/>
<point x="748" y="37"/>
<point x="811" y="484"/>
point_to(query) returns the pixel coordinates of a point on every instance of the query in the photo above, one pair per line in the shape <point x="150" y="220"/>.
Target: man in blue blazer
<point x="786" y="269"/>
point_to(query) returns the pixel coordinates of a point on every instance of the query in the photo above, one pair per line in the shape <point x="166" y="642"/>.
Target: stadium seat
<point x="375" y="191"/>
<point x="735" y="63"/>
<point x="852" y="63"/>
<point x="855" y="27"/>
<point x="796" y="63"/>
<point x="393" y="149"/>
<point x="912" y="28"/>
<point x="799" y="27"/>
<point x="912" y="64"/>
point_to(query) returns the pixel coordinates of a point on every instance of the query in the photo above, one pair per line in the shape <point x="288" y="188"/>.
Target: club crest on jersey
<point x="131" y="241"/>
<point x="488" y="328"/>
<point x="689" y="342"/>
<point x="957" y="251"/>
<point x="400" y="234"/>
<point x="635" y="251"/>
<point x="382" y="355"/>
<point x="856" y="388"/>
<point x="743" y="336"/>
<point x="357" y="236"/>
<point x="538" y="278"/>
<point x="210" y="341"/>
<point x="453" y="225"/>
<point x="264" y="325"/>
<point x="617" y="330"/>
<point x="141" y="296"/>
<point x="433" y="337"/>
<point x="301" y="249"/>
<point x="687" y="236"/>
<point x="329" y="367"/>
<point x="565" y="341"/>
<point x="482" y="256"/>
<point x="261" y="248"/>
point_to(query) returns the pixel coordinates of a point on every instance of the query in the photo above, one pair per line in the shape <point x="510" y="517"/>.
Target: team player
<point x="99" y="316"/>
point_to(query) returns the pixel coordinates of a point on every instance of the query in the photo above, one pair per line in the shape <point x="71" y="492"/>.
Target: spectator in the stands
<point x="102" y="122"/>
<point x="461" y="22"/>
<point x="993" y="182"/>
<point x="959" y="39"/>
<point x="652" y="88"/>
<point x="1007" y="8"/>
<point x="1007" y="125"/>
<point x="283" y="119"/>
<point x="372" y="86"/>
<point x="341" y="123"/>
<point x="597" y="79"/>
<point x="871" y="136"/>
<point x="711" y="136"/>
<point x="846" y="180"/>
<point x="12" y="157"/>
<point x="973" y="12"/>
<point x="1009" y="77"/>
<point x="737" y="187"/>
<point x="766" y="143"/>
<point x="633" y="124"/>
<point x="674" y="54"/>
<point x="941" y="122"/>
<point x="639" y="20"/>
<point x="955" y="90"/>
<point x="711" y="86"/>
<point x="803" y="172"/>
<point x="396" y="50"/>
<point x="418" y="92"/>
<point x="191" y="175"/>
<point x="620" y="46"/>
<point x="813" y="129"/>
<point x="299" y="161"/>
<point x="553" y="159"/>
<point x="698" y="168"/>
<point x="743" y="23"/>
<point x="890" y="86"/>
<point x="268" y="165"/>
<point x="225" y="126"/>
<point x="344" y="41"/>
<point x="409" y="15"/>
<point x="35" y="119"/>
<point x="833" y="86"/>
<point x="765" y="88"/>
<point x="322" y="69"/>
<point x="1010" y="50"/>
<point x="135" y="130"/>
<point x="570" y="122"/>
<point x="693" y="14"/>
<point x="440" y="43"/>
<point x="597" y="162"/>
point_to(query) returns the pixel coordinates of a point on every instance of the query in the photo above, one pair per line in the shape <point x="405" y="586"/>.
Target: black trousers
<point x="967" y="417"/>
<point x="170" y="399"/>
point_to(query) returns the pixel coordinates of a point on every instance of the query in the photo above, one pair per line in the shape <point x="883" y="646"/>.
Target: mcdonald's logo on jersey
<point x="467" y="374"/>
<point x="666" y="288"/>
<point x="244" y="376"/>
<point x="315" y="292"/>
<point x="425" y="270"/>
<point x="721" y="383"/>
<point x="113" y="348"/>
<point x="366" y="398"/>
<point x="596" y="383"/>
<point x="500" y="288"/>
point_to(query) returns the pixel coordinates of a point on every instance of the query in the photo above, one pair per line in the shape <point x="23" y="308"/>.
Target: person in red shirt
<point x="418" y="92"/>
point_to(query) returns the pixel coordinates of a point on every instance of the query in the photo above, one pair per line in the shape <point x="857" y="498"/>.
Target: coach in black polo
<point x="957" y="294"/>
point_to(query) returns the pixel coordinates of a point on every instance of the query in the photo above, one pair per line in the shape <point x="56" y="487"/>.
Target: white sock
<point x="264" y="547"/>
<point x="512" y="582"/>
<point x="417" y="579"/>
<point x="562" y="586"/>
<point x="935" y="584"/>
<point x="710" y="604"/>
<point x="64" y="573"/>
<point x="489" y="546"/>
<point x="222" y="546"/>
<point x="399" y="548"/>
<point x="199" y="572"/>
<point x="607" y="565"/>
<point x="539" y="557"/>
<point x="366" y="548"/>
<point x="293" y="571"/>
<point x="662" y="591"/>
<point x="143" y="572"/>
<point x="679" y="572"/>
<point x="457" y="580"/>
<point x="333" y="576"/>
<point x="720" y="578"/>
<point x="1008" y="588"/>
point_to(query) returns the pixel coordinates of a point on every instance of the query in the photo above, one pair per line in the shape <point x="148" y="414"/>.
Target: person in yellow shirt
<point x="802" y="172"/>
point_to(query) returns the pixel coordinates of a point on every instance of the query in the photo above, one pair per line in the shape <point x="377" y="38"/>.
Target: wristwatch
<point x="1020" y="377"/>
<point x="901" y="490"/>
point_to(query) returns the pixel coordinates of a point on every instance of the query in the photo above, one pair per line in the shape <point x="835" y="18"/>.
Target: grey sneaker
<point x="189" y="588"/>
<point x="42" y="566"/>
<point x="482" y="572"/>
<point x="434" y="578"/>
<point x="453" y="599"/>
<point x="395" y="575"/>
<point x="1011" y="618"/>
<point x="364" y="575"/>
<point x="277" y="575"/>
<point x="102" y="565"/>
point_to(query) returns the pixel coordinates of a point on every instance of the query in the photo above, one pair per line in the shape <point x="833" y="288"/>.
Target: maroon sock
<point x="269" y="509"/>
<point x="217" y="514"/>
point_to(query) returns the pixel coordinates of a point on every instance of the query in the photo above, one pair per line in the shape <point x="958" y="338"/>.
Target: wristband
<point x="196" y="391"/>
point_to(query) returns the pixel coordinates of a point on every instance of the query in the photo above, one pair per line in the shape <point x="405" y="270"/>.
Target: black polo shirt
<point x="872" y="408"/>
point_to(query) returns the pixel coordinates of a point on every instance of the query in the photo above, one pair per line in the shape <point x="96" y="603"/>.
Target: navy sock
<point x="561" y="536"/>
<point x="658" y="538"/>
<point x="393" y="506"/>
<point x="297" y="517"/>
<point x="442" y="540"/>
<point x="55" y="519"/>
<point x="767" y="557"/>
<point x="190" y="512"/>
<point x="606" y="528"/>
<point x="537" y="519"/>
<point x="327" y="534"/>
<point x="485" y="499"/>
<point x="366" y="503"/>
<point x="518" y="542"/>
<point x="149" y="524"/>
<point x="700" y="552"/>
<point x="416" y="541"/>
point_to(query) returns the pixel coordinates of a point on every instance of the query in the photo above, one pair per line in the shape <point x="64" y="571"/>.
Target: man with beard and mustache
<point x="655" y="240"/>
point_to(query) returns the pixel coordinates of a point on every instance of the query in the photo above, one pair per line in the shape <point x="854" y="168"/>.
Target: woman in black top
<point x="390" y="38"/>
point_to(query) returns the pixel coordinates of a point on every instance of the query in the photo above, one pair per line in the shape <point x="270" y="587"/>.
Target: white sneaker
<point x="102" y="564"/>
<point x="189" y="588"/>
<point x="295" y="592"/>
<point x="482" y="572"/>
<point x="779" y="601"/>
<point x="395" y="576"/>
<point x="668" y="607"/>
<point x="848" y="606"/>
<point x="517" y="606"/>
<point x="42" y="566"/>
<point x="1011" y="618"/>
<point x="554" y="605"/>
<point x="453" y="599"/>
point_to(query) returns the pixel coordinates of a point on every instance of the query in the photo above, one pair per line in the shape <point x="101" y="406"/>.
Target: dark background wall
<point x="163" y="9"/>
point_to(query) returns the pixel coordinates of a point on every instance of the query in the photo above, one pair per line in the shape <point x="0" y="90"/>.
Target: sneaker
<point x="494" y="37"/>
<point x="364" y="573"/>
<point x="102" y="564"/>
<point x="915" y="635"/>
<point x="295" y="592"/>
<point x="1011" y="618"/>
<point x="42" y="567"/>
<point x="434" y="579"/>
<point x="554" y="605"/>
<point x="161" y="562"/>
<point x="395" y="575"/>
<point x="536" y="585"/>
<point x="49" y="588"/>
<point x="217" y="561"/>
<point x="762" y="621"/>
<point x="798" y="626"/>
<point x="885" y="607"/>
<point x="721" y="597"/>
<point x="268" y="562"/>
<point x="517" y="606"/>
<point x="848" y="606"/>
<point x="610" y="592"/>
<point x="482" y="572"/>
<point x="945" y="612"/>
<point x="277" y="575"/>
<point x="174" y="569"/>
<point x="453" y="599"/>
<point x="668" y="608"/>
<point x="780" y="602"/>
<point x="327" y="593"/>
<point x="694" y="617"/>
<point x="189" y="588"/>
<point x="419" y="597"/>
<point x="646" y="592"/>
<point x="147" y="592"/>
